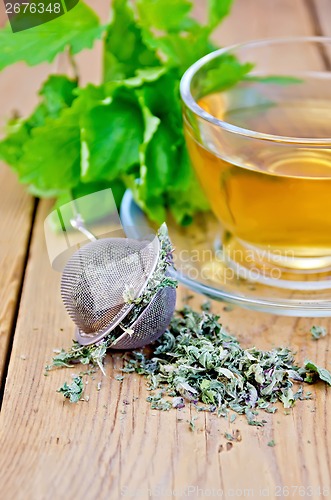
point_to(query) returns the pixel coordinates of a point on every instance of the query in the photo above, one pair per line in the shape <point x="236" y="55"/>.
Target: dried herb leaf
<point x="322" y="373"/>
<point x="73" y="391"/>
<point x="317" y="332"/>
<point x="197" y="361"/>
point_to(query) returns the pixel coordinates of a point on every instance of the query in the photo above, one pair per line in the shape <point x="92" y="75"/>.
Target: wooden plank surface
<point x="254" y="19"/>
<point x="108" y="446"/>
<point x="16" y="215"/>
<point x="18" y="94"/>
<point x="108" y="449"/>
<point x="322" y="10"/>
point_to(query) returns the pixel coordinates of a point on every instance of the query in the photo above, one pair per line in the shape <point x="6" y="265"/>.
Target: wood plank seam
<point x="17" y="305"/>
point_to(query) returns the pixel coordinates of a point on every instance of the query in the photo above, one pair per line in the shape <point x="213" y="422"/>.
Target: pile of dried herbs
<point x="196" y="362"/>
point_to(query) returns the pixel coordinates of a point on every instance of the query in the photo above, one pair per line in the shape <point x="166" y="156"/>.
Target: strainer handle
<point x="78" y="223"/>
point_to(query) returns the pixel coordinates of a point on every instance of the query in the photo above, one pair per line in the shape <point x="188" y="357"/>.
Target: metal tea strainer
<point x="107" y="289"/>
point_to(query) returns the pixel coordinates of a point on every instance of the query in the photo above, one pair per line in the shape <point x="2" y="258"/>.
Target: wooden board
<point x="16" y="214"/>
<point x="115" y="442"/>
<point x="254" y="19"/>
<point x="321" y="10"/>
<point x="18" y="94"/>
<point x="114" y="445"/>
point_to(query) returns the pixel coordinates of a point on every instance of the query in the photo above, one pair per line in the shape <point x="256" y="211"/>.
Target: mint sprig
<point x="127" y="131"/>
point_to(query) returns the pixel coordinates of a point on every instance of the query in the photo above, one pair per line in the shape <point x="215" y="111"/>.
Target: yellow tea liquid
<point x="283" y="202"/>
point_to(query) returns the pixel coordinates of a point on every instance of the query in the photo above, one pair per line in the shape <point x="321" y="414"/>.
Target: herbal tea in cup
<point x="257" y="120"/>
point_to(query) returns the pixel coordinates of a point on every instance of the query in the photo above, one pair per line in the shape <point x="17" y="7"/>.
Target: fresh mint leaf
<point x="144" y="75"/>
<point x="11" y="145"/>
<point x="322" y="373"/>
<point x="180" y="50"/>
<point x="168" y="108"/>
<point x="161" y="160"/>
<point x="164" y="172"/>
<point x="185" y="198"/>
<point x="165" y="176"/>
<point x="275" y="79"/>
<point x="45" y="150"/>
<point x="227" y="72"/>
<point x="128" y="129"/>
<point x="77" y="29"/>
<point x="151" y="124"/>
<point x="125" y="50"/>
<point x="57" y="93"/>
<point x="167" y="15"/>
<point x="217" y="10"/>
<point x="51" y="158"/>
<point x="112" y="134"/>
<point x="180" y="40"/>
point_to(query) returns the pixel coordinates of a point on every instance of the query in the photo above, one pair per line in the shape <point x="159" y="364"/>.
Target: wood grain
<point x="254" y="19"/>
<point x="323" y="14"/>
<point x="16" y="215"/>
<point x="114" y="445"/>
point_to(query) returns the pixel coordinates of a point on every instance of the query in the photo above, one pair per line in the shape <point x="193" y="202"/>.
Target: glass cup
<point x="257" y="120"/>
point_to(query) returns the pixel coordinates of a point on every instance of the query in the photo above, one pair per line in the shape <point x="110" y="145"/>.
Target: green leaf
<point x="77" y="29"/>
<point x="275" y="79"/>
<point x="159" y="169"/>
<point x="161" y="160"/>
<point x="165" y="176"/>
<point x="51" y="158"/>
<point x="168" y="31"/>
<point x="111" y="137"/>
<point x="167" y="179"/>
<point x="11" y="146"/>
<point x="151" y="124"/>
<point x="169" y="107"/>
<point x="57" y="94"/>
<point x="130" y="127"/>
<point x="180" y="50"/>
<point x="187" y="198"/>
<point x="218" y="9"/>
<point x="144" y="75"/>
<point x="322" y="373"/>
<point x="168" y="15"/>
<point x="125" y="50"/>
<point x="227" y="73"/>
